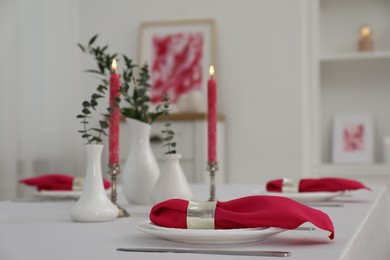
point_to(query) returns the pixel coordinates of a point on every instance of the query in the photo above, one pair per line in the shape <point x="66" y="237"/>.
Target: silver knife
<point x="207" y="251"/>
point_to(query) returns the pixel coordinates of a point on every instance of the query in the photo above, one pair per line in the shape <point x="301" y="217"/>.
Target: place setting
<point x="287" y="206"/>
<point x="58" y="186"/>
<point x="314" y="191"/>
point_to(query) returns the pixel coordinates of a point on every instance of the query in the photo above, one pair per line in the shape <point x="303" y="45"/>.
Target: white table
<point x="43" y="230"/>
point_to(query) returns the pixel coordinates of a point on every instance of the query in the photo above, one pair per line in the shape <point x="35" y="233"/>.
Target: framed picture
<point x="179" y="54"/>
<point x="353" y="138"/>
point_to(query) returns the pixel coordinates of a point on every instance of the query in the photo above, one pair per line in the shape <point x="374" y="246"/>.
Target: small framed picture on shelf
<point x="353" y="138"/>
<point x="178" y="53"/>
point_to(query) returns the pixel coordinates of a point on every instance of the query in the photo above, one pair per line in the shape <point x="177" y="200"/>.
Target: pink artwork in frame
<point x="176" y="66"/>
<point x="178" y="54"/>
<point x="353" y="139"/>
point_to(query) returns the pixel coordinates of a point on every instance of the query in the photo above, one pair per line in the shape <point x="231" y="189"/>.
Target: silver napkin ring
<point x="290" y="185"/>
<point x="200" y="214"/>
<point x="78" y="183"/>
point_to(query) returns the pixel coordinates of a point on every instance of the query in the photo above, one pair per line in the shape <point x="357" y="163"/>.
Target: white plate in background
<point x="307" y="197"/>
<point x="61" y="194"/>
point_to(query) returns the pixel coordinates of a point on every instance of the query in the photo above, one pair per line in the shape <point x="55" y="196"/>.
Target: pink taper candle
<point x="115" y="117"/>
<point x="212" y="117"/>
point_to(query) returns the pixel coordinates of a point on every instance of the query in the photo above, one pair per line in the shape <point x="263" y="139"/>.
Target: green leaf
<point x="96" y="96"/>
<point x="92" y="40"/>
<point x="93" y="71"/>
<point x="86" y="111"/>
<point x="86" y="104"/>
<point x="80" y="116"/>
<point x="81" y="47"/>
<point x="93" y="103"/>
<point x="101" y="88"/>
<point x="103" y="124"/>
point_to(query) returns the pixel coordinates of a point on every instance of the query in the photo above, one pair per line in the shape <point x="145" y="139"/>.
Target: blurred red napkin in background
<point x="319" y="185"/>
<point x="246" y="212"/>
<point x="55" y="182"/>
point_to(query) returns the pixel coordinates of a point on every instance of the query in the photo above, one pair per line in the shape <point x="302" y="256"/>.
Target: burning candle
<point x="212" y="117"/>
<point x="366" y="43"/>
<point x="115" y="116"/>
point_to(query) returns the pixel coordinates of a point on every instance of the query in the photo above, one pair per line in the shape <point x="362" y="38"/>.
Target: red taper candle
<point x="115" y="117"/>
<point x="212" y="117"/>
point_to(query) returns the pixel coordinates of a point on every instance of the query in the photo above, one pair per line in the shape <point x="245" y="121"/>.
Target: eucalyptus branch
<point x="139" y="100"/>
<point x="103" y="59"/>
<point x="168" y="132"/>
<point x="137" y="103"/>
<point x="94" y="134"/>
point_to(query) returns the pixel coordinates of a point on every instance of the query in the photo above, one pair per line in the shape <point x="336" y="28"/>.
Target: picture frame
<point x="179" y="54"/>
<point x="353" y="139"/>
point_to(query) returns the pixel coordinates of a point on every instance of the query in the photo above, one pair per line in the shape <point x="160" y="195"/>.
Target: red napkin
<point x="318" y="185"/>
<point x="55" y="182"/>
<point x="246" y="212"/>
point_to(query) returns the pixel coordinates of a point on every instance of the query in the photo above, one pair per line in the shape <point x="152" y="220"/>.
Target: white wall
<point x="40" y="91"/>
<point x="259" y="66"/>
<point x="259" y="72"/>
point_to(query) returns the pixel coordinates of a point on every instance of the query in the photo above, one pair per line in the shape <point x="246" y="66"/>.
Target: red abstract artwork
<point x="176" y="65"/>
<point x="353" y="137"/>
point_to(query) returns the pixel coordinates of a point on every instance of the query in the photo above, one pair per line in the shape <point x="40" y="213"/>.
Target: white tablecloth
<point x="43" y="230"/>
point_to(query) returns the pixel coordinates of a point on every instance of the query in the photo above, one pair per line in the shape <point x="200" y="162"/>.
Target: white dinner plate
<point x="60" y="194"/>
<point x="307" y="197"/>
<point x="209" y="236"/>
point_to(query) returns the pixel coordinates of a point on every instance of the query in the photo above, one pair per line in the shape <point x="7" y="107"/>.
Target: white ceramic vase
<point x="94" y="204"/>
<point x="141" y="169"/>
<point x="172" y="182"/>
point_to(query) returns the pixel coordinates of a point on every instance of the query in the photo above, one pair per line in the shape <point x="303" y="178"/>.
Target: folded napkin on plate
<point x="58" y="182"/>
<point x="318" y="185"/>
<point x="246" y="212"/>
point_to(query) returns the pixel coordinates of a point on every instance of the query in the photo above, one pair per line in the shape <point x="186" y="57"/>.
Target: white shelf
<point x="344" y="80"/>
<point x="353" y="56"/>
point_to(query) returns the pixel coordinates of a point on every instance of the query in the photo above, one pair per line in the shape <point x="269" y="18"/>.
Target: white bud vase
<point x="172" y="182"/>
<point x="94" y="204"/>
<point x="141" y="169"/>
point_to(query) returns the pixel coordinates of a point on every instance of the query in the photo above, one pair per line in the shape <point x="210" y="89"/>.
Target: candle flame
<point x="211" y="70"/>
<point x="365" y="31"/>
<point x="113" y="66"/>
